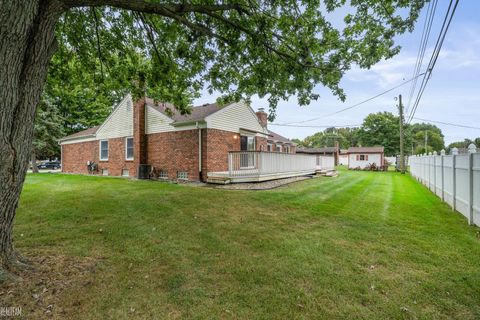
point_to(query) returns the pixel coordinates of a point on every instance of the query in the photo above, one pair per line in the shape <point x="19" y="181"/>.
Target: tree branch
<point x="156" y="8"/>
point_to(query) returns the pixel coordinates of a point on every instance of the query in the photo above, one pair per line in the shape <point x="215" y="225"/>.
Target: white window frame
<point x="100" y="150"/>
<point x="278" y="147"/>
<point x="126" y="149"/>
<point x="269" y="147"/>
<point x="182" y="175"/>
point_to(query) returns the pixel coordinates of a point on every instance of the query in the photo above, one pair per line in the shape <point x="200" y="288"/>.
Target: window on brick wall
<point x="125" y="173"/>
<point x="105" y="172"/>
<point x="163" y="174"/>
<point x="269" y="147"/>
<point x="182" y="175"/>
<point x="103" y="150"/>
<point x="129" y="148"/>
<point x="278" y="148"/>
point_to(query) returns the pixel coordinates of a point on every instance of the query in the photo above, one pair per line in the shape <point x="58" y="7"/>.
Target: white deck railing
<point x="258" y="163"/>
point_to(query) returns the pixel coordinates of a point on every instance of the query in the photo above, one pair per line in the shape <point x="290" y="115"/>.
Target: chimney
<point x="262" y="117"/>
<point x="139" y="137"/>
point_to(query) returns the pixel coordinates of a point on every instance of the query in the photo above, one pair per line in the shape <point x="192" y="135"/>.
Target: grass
<point x="370" y="245"/>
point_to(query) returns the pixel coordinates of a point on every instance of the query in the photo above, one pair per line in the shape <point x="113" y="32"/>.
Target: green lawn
<point x="371" y="245"/>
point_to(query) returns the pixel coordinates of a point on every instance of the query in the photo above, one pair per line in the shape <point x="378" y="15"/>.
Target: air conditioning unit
<point x="143" y="171"/>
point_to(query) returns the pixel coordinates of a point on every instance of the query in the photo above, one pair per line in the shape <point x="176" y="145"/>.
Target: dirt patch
<point x="40" y="290"/>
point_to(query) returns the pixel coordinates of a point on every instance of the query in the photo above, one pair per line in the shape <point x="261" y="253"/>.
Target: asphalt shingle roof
<point x="197" y="113"/>
<point x="365" y="150"/>
<point x="83" y="133"/>
<point x="318" y="150"/>
<point x="276" y="137"/>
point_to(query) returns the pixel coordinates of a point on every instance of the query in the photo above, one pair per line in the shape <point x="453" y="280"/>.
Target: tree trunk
<point x="27" y="43"/>
<point x="34" y="162"/>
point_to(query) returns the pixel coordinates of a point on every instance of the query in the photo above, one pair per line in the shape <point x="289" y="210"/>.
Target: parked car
<point x="50" y="165"/>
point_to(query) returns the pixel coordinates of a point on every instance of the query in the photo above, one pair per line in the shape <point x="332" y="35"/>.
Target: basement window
<point x="125" y="173"/>
<point x="163" y="174"/>
<point x="182" y="175"/>
<point x="105" y="172"/>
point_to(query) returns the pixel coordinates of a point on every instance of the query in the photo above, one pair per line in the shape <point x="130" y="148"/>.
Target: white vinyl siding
<point x="372" y="158"/>
<point x="157" y="122"/>
<point x="103" y="150"/>
<point x="234" y="117"/>
<point x="120" y="122"/>
<point x="129" y="148"/>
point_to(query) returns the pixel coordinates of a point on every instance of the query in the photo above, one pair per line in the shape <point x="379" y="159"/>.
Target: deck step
<point x="218" y="180"/>
<point x="327" y="172"/>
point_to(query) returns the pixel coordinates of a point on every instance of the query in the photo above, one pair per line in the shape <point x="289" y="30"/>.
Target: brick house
<point x="174" y="146"/>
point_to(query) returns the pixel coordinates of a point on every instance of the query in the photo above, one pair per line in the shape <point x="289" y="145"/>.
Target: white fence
<point x="258" y="163"/>
<point x="453" y="178"/>
<point x="325" y="162"/>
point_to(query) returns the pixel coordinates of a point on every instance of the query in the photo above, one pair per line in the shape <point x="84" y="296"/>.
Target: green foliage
<point x="381" y="129"/>
<point x="345" y="137"/>
<point x="48" y="128"/>
<point x="418" y="131"/>
<point x="275" y="49"/>
<point x="461" y="144"/>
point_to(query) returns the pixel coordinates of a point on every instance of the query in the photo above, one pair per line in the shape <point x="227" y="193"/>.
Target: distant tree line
<point x="382" y="129"/>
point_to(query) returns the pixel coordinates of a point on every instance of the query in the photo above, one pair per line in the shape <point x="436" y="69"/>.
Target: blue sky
<point x="452" y="94"/>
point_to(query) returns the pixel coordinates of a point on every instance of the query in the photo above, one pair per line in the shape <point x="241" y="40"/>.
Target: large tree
<point x="417" y="133"/>
<point x="270" y="48"/>
<point x="381" y="129"/>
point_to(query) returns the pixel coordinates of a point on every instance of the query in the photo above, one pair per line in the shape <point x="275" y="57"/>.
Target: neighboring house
<point x="175" y="146"/>
<point x="325" y="151"/>
<point x="277" y="143"/>
<point x="361" y="157"/>
<point x="343" y="157"/>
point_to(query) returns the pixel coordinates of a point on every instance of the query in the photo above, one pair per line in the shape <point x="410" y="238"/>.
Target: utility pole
<point x="402" y="155"/>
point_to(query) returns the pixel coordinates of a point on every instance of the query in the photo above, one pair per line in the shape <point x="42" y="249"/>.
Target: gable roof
<point x="365" y="150"/>
<point x="272" y="136"/>
<point x="198" y="113"/>
<point x="318" y="150"/>
<point x="81" y="134"/>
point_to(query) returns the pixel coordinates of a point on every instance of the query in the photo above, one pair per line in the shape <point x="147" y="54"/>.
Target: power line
<point x="448" y="123"/>
<point x="317" y="126"/>
<point x="427" y="27"/>
<point x="357" y="104"/>
<point x="433" y="60"/>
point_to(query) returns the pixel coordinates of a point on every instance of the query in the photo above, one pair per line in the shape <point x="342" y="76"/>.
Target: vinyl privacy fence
<point x="453" y="178"/>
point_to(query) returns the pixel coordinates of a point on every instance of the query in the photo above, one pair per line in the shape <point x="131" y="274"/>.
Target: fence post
<point x="429" y="171"/>
<point x="454" y="184"/>
<point x="443" y="174"/>
<point x="471" y="150"/>
<point x="435" y="172"/>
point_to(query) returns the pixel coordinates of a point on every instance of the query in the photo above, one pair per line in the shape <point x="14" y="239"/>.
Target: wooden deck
<point x="257" y="166"/>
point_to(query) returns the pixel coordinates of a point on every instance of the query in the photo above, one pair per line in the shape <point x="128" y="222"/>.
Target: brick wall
<point x="215" y="147"/>
<point x="76" y="155"/>
<point x="173" y="152"/>
<point x="139" y="136"/>
<point x="261" y="143"/>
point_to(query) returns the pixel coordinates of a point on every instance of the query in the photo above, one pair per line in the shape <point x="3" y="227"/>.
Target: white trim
<point x="126" y="149"/>
<point x="100" y="149"/>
